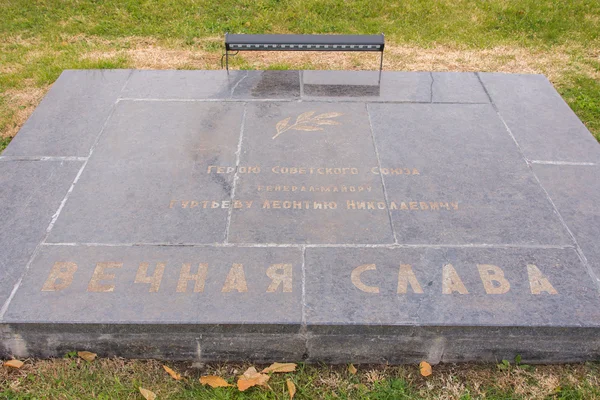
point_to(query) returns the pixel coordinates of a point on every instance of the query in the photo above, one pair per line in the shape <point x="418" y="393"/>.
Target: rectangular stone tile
<point x="182" y="84"/>
<point x="457" y="87"/>
<point x="469" y="184"/>
<point x="542" y="123"/>
<point x="458" y="344"/>
<point x="145" y="341"/>
<point x="268" y="85"/>
<point x="148" y="179"/>
<point x="536" y="345"/>
<point x="260" y="348"/>
<point x="363" y="86"/>
<point x="575" y="190"/>
<point x="70" y="117"/>
<point x="209" y="287"/>
<point x="348" y="290"/>
<point x="309" y="161"/>
<point x="30" y="193"/>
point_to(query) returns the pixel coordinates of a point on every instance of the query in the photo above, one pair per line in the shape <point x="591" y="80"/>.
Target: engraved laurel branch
<point x="306" y="122"/>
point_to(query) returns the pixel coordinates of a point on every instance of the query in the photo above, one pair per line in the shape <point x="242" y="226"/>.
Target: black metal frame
<point x="235" y="43"/>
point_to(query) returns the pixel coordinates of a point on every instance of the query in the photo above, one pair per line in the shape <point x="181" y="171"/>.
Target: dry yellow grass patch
<point x="23" y="102"/>
<point x="554" y="63"/>
<point x="152" y="57"/>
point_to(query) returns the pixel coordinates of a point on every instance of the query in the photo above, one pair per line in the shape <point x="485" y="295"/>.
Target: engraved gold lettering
<point x="538" y="282"/>
<point x="154" y="280"/>
<point x="406" y="276"/>
<point x="60" y="277"/>
<point x="355" y="278"/>
<point x="99" y="275"/>
<point x="236" y="279"/>
<point x="280" y="275"/>
<point x="199" y="278"/>
<point x="451" y="282"/>
<point x="493" y="279"/>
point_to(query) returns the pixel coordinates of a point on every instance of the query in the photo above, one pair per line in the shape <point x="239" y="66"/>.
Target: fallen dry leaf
<point x="173" y="374"/>
<point x="87" y="356"/>
<point x="352" y="369"/>
<point x="280" y="367"/>
<point x="214" y="381"/>
<point x="148" y="395"/>
<point x="425" y="368"/>
<point x="291" y="388"/>
<point x="252" y="378"/>
<point x="250" y="372"/>
<point x="14" y="364"/>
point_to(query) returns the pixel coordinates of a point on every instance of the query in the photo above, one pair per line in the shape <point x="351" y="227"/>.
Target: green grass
<point x="583" y="95"/>
<point x="469" y="22"/>
<point x="118" y="379"/>
<point x="4" y="142"/>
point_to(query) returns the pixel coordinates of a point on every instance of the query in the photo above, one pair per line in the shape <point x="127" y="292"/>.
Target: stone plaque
<point x="313" y="215"/>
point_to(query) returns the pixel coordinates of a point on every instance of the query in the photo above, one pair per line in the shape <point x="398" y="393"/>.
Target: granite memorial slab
<point x="580" y="212"/>
<point x="301" y="215"/>
<point x="153" y="157"/>
<point x="543" y="125"/>
<point x="470" y="176"/>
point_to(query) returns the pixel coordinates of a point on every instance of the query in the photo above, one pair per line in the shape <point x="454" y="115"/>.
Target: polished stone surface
<point x="181" y="84"/>
<point x="146" y="181"/>
<point x="307" y="178"/>
<point x="208" y="286"/>
<point x="457" y="87"/>
<point x="30" y="193"/>
<point x="71" y="116"/>
<point x="575" y="190"/>
<point x="301" y="215"/>
<point x="363" y="86"/>
<point x="485" y="287"/>
<point x="542" y="123"/>
<point x="469" y="168"/>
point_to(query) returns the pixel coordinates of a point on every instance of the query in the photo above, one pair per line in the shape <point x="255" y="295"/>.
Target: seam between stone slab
<point x="578" y="248"/>
<point x="303" y="318"/>
<point x="503" y="121"/>
<point x="385" y="196"/>
<point x="61" y="206"/>
<point x="237" y="84"/>
<point x="327" y="245"/>
<point x="236" y="176"/>
<point x="431" y="87"/>
<point x="41" y="158"/>
<point x="541" y="162"/>
<point x="216" y="100"/>
<point x="300" y="100"/>
<point x="484" y="88"/>
<point x="301" y="77"/>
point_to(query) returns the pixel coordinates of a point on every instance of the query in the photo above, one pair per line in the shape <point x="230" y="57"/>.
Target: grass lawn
<point x="40" y="38"/>
<point x="73" y="378"/>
